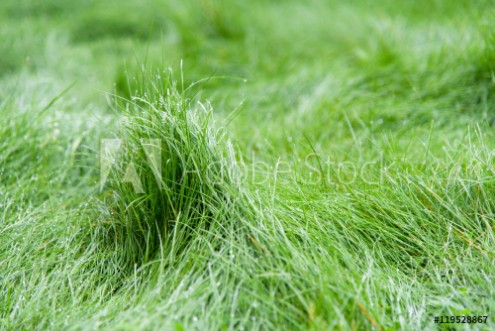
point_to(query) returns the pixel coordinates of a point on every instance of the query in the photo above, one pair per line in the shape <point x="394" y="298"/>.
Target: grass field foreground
<point x="234" y="165"/>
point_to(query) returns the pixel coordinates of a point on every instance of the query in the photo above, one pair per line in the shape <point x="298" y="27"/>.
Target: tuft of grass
<point x="172" y="181"/>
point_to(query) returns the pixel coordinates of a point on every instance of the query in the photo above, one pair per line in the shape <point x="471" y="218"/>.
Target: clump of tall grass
<point x="172" y="180"/>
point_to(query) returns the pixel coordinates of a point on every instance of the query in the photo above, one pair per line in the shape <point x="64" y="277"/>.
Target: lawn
<point x="247" y="165"/>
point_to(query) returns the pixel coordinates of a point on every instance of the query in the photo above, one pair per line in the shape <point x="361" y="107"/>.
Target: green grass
<point x="280" y="165"/>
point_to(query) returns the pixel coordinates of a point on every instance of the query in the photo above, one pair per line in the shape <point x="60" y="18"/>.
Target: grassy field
<point x="246" y="165"/>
